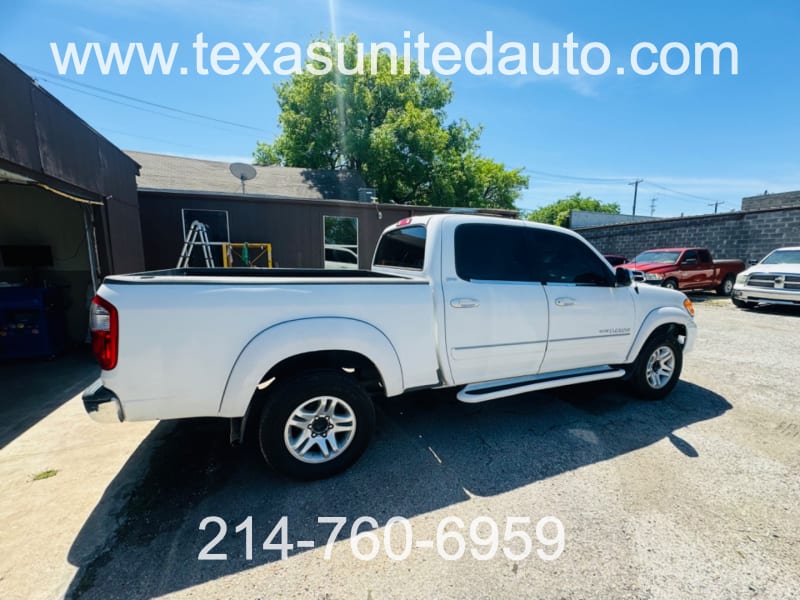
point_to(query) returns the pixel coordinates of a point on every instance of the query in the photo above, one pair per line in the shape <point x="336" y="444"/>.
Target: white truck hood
<point x="792" y="268"/>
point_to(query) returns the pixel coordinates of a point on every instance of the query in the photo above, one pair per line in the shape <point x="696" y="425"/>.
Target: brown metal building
<point x="69" y="214"/>
<point x="300" y="212"/>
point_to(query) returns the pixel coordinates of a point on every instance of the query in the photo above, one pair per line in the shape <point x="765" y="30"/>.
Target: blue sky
<point x="693" y="139"/>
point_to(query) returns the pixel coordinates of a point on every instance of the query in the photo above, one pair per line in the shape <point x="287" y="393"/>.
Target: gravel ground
<point x="694" y="496"/>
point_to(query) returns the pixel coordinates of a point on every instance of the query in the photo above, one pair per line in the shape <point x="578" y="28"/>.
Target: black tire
<point x="726" y="287"/>
<point x="317" y="390"/>
<point x="670" y="284"/>
<point x="651" y="387"/>
<point x="742" y="303"/>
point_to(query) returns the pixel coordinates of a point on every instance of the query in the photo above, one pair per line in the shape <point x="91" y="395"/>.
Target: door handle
<point x="464" y="303"/>
<point x="565" y="301"/>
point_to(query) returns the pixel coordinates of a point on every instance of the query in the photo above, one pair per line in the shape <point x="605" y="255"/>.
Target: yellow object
<point x="69" y="196"/>
<point x="688" y="306"/>
<point x="229" y="253"/>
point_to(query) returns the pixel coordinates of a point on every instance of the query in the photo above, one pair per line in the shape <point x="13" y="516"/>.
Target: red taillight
<point x="104" y="325"/>
<point x="402" y="222"/>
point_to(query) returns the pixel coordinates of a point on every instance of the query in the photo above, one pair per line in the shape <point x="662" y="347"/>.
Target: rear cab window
<point x="402" y="248"/>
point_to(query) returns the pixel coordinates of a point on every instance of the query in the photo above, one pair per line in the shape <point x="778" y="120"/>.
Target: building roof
<point x="180" y="174"/>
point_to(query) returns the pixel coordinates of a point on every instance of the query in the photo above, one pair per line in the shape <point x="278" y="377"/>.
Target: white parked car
<point x="493" y="306"/>
<point x="341" y="257"/>
<point x="775" y="280"/>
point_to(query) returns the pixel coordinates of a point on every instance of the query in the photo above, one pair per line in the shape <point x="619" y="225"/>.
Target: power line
<point x="59" y="79"/>
<point x="152" y="139"/>
<point x="676" y="198"/>
<point x="716" y="204"/>
<point x="575" y="178"/>
<point x="663" y="187"/>
<point x="563" y="177"/>
<point x="129" y="105"/>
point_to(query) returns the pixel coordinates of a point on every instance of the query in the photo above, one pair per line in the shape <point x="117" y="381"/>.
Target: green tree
<point x="557" y="213"/>
<point x="393" y="129"/>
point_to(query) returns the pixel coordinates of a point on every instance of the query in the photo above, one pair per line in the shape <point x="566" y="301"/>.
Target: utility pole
<point x="653" y="206"/>
<point x="635" y="183"/>
<point x="716" y="205"/>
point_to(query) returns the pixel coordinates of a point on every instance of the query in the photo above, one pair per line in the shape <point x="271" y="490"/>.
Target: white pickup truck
<point x="494" y="306"/>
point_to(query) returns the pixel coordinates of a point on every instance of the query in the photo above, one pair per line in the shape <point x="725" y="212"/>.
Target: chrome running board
<point x="491" y="390"/>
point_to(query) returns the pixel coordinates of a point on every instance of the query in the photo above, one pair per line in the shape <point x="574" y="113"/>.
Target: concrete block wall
<point x="744" y="235"/>
<point x="765" y="201"/>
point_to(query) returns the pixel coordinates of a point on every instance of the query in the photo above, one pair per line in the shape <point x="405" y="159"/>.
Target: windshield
<point x="653" y="256"/>
<point x="782" y="257"/>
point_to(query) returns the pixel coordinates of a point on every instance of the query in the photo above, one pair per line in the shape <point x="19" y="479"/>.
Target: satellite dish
<point x="243" y="172"/>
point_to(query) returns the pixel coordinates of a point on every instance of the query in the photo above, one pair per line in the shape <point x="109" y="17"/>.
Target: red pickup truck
<point x="685" y="269"/>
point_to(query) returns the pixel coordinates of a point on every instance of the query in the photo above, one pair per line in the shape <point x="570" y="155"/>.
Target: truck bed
<point x="186" y="328"/>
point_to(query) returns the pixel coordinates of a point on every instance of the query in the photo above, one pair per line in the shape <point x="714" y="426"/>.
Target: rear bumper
<point x="102" y="404"/>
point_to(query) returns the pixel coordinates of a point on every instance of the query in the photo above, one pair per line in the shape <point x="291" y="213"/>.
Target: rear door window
<point x="489" y="252"/>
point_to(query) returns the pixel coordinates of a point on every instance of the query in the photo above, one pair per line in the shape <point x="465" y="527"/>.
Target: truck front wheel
<point x="658" y="367"/>
<point x="671" y="284"/>
<point x="316" y="425"/>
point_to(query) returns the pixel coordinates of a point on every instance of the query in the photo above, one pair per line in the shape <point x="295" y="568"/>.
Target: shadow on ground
<point x="698" y="297"/>
<point x="429" y="452"/>
<point x="32" y="389"/>
<point x="775" y="309"/>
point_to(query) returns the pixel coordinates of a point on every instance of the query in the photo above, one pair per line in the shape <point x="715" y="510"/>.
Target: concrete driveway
<point x="44" y="430"/>
<point x="697" y="495"/>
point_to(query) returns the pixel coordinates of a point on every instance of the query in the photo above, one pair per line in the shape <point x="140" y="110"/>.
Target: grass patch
<point x="45" y="474"/>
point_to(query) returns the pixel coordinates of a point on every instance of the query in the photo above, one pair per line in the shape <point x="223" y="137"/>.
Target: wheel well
<point x="358" y="365"/>
<point x="674" y="329"/>
<point x="351" y="362"/>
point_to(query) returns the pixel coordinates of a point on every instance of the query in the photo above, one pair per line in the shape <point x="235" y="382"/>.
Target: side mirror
<point x="622" y="277"/>
<point x="752" y="261"/>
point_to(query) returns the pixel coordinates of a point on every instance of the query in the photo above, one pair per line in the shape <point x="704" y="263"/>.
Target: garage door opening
<point x="48" y="271"/>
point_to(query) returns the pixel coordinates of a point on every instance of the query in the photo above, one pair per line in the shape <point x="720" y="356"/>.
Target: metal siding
<point x="294" y="228"/>
<point x="18" y="143"/>
<point x="118" y="184"/>
<point x="41" y="138"/>
<point x="68" y="148"/>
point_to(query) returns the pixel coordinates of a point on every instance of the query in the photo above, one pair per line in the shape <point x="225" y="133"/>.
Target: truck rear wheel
<point x="726" y="287"/>
<point x="316" y="425"/>
<point x="657" y="368"/>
